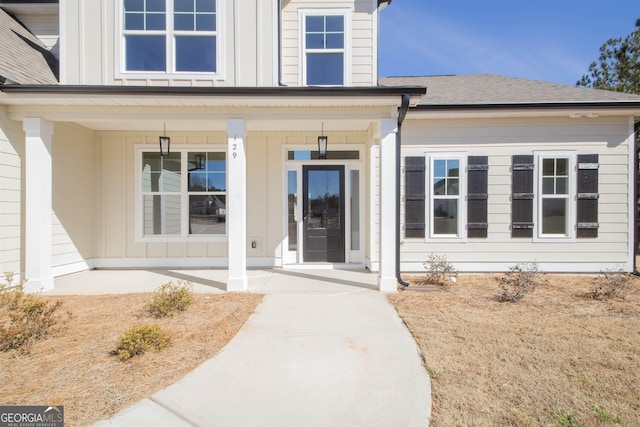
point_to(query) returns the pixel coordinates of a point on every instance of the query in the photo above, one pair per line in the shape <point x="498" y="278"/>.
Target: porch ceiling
<point x="207" y="109"/>
<point x="128" y="118"/>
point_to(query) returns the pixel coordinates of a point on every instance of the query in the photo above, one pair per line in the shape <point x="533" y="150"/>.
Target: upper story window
<point x="170" y="36"/>
<point x="325" y="36"/>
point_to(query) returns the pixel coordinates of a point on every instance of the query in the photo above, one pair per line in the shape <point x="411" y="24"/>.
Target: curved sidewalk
<point x="324" y="348"/>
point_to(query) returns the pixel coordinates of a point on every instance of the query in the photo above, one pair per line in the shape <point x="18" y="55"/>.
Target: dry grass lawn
<point x="554" y="358"/>
<point x="73" y="367"/>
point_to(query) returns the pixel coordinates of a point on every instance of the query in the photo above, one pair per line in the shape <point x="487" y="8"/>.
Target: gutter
<point x="528" y="105"/>
<point x="365" y="91"/>
<point x="402" y="113"/>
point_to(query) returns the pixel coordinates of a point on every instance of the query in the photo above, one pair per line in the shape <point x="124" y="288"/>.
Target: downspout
<point x="402" y="113"/>
<point x="636" y="162"/>
<point x="279" y="24"/>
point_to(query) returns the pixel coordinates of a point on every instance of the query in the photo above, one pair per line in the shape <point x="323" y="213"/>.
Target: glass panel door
<point x="323" y="214"/>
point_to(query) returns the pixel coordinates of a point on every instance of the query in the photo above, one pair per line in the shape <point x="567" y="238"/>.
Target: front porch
<point x="91" y="158"/>
<point x="261" y="281"/>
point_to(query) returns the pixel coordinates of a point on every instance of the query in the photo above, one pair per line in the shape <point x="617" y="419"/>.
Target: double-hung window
<point x="445" y="196"/>
<point x="446" y="205"/>
<point x="554" y="196"/>
<point x="325" y="42"/>
<point x="555" y="206"/>
<point x="182" y="195"/>
<point x="170" y="36"/>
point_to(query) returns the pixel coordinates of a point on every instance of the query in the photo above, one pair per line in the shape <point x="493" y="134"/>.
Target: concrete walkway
<point x="324" y="348"/>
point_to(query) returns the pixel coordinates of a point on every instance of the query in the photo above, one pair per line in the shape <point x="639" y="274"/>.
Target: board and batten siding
<point x="11" y="226"/>
<point x="363" y="42"/>
<point x="74" y="194"/>
<point x="90" y="46"/>
<point x="499" y="140"/>
<point x="116" y="244"/>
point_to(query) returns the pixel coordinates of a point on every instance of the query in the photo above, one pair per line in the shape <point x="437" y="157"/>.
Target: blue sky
<point x="549" y="40"/>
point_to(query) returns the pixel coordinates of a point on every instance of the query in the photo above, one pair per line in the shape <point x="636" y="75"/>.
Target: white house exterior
<point x="493" y="170"/>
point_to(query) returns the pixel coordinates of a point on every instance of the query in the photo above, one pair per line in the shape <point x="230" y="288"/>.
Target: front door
<point x="323" y="213"/>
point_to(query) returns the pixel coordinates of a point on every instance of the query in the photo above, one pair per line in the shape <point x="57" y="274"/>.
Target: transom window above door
<point x="325" y="36"/>
<point x="170" y="36"/>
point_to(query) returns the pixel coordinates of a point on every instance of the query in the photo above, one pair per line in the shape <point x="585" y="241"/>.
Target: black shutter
<point x="522" y="196"/>
<point x="414" y="198"/>
<point x="477" y="176"/>
<point x="587" y="205"/>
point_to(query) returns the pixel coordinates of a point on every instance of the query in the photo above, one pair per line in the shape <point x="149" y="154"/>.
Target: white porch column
<point x="38" y="204"/>
<point x="237" y="205"/>
<point x="387" y="238"/>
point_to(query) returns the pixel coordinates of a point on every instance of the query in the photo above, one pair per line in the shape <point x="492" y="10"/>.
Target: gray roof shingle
<point x="23" y="58"/>
<point x="491" y="89"/>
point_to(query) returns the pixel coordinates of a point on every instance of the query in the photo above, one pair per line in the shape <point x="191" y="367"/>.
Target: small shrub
<point x="169" y="298"/>
<point x="439" y="270"/>
<point x="521" y="279"/>
<point x="604" y="415"/>
<point x="433" y="373"/>
<point x="140" y="339"/>
<point x="25" y="318"/>
<point x="566" y="418"/>
<point x="611" y="284"/>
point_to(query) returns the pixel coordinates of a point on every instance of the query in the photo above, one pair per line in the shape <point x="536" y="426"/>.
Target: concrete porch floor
<point x="262" y="281"/>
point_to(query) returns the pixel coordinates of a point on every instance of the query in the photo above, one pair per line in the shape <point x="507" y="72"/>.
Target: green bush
<point x="169" y="298"/>
<point x="439" y="270"/>
<point x="24" y="318"/>
<point x="566" y="418"/>
<point x="140" y="339"/>
<point x="520" y="280"/>
<point x="611" y="284"/>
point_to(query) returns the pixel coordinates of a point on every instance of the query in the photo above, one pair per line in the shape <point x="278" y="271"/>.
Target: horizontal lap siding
<point x="11" y="148"/>
<point x="362" y="54"/>
<point x="363" y="35"/>
<point x="499" y="140"/>
<point x="46" y="28"/>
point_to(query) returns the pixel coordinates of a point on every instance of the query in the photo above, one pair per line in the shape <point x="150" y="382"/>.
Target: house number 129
<point x="234" y="150"/>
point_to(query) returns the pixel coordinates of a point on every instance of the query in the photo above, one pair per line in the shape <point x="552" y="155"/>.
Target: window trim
<point x="462" y="197"/>
<point x="571" y="197"/>
<point x="302" y="50"/>
<point x="170" y="34"/>
<point x="140" y="237"/>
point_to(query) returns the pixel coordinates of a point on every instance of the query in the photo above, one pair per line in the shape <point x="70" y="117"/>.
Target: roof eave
<point x="177" y="96"/>
<point x="528" y="105"/>
<point x="277" y="91"/>
<point x="590" y="109"/>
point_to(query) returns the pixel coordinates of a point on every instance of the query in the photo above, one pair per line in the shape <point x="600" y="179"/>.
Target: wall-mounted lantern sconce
<point x="165" y="141"/>
<point x="199" y="161"/>
<point x="322" y="145"/>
